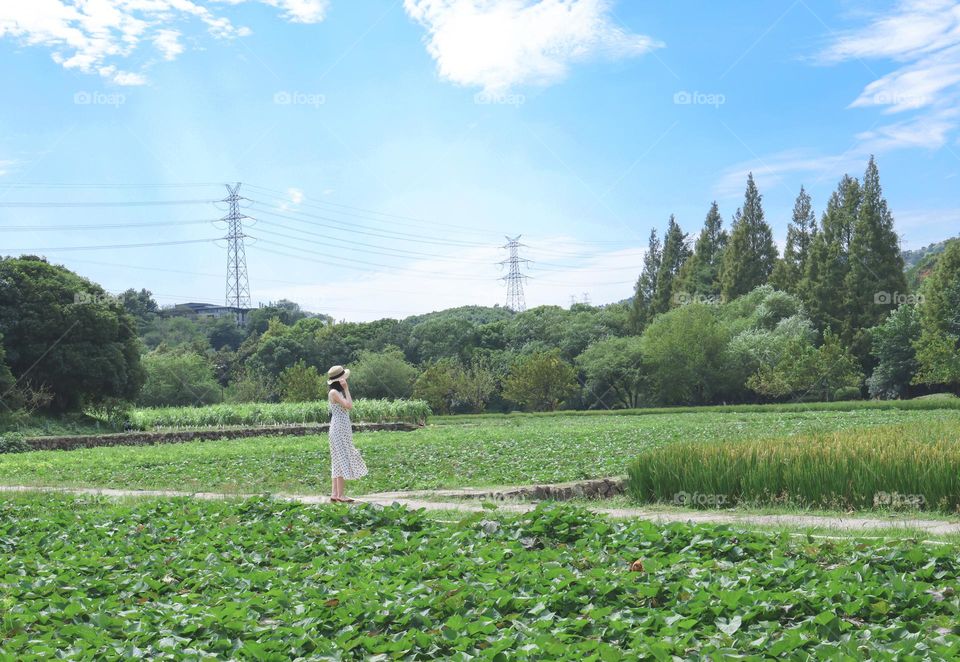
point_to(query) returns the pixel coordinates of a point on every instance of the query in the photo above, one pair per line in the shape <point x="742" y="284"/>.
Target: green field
<point x="493" y="451"/>
<point x="183" y="579"/>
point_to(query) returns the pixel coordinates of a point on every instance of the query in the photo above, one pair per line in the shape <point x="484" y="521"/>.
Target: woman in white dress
<point x="345" y="460"/>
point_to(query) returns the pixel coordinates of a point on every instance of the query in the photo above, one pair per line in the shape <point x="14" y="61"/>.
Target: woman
<point x="345" y="460"/>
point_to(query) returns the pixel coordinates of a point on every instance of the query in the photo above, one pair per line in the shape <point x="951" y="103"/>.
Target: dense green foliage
<point x="938" y="348"/>
<point x="177" y="378"/>
<point x="267" y="580"/>
<point x="460" y="451"/>
<point x="64" y="334"/>
<point x="897" y="467"/>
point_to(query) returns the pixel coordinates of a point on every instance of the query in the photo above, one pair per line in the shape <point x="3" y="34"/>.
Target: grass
<point x="500" y="451"/>
<point x="259" y="579"/>
<point x="914" y="466"/>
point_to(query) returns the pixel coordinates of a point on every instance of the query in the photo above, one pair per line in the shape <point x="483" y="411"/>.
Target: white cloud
<point x="168" y="43"/>
<point x="923" y="37"/>
<point x="500" y="44"/>
<point x="788" y="168"/>
<point x="93" y="36"/>
<point x="5" y="166"/>
<point x="301" y="11"/>
<point x="296" y="195"/>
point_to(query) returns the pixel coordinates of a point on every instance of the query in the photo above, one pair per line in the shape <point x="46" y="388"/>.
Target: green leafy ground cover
<point x="369" y="411"/>
<point x="265" y="580"/>
<point x="497" y="451"/>
<point x="927" y="402"/>
<point x="901" y="466"/>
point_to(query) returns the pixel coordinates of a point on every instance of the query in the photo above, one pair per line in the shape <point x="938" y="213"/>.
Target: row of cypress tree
<point x="846" y="269"/>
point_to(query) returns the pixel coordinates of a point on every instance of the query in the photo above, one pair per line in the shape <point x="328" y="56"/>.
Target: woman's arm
<point x="346" y="403"/>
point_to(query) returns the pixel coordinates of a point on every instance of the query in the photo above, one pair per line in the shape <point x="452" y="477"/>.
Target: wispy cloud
<point x="923" y="37"/>
<point x="95" y="37"/>
<point x="501" y="44"/>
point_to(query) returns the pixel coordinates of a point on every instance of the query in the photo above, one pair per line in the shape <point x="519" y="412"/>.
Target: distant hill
<point x="920" y="262"/>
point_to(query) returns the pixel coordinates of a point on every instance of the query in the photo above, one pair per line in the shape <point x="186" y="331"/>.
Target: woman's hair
<point x="336" y="386"/>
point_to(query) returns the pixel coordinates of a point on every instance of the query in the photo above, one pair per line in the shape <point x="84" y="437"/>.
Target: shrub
<point x="847" y="393"/>
<point x="12" y="442"/>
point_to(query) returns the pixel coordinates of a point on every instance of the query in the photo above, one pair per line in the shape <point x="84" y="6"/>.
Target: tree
<point x="683" y="350"/>
<point x="141" y="306"/>
<point x="876" y="275"/>
<point x="829" y="262"/>
<point x="540" y="381"/>
<point x="223" y="332"/>
<point x="614" y="371"/>
<point x="809" y="373"/>
<point x="675" y="254"/>
<point x="178" y="379"/>
<point x="790" y="269"/>
<point x="640" y="312"/>
<point x="938" y="348"/>
<point x="751" y="254"/>
<point x="287" y="312"/>
<point x="700" y="275"/>
<point x="383" y="374"/>
<point x="438" y="385"/>
<point x="300" y="383"/>
<point x="65" y="333"/>
<point x="7" y="381"/>
<point x="892" y="346"/>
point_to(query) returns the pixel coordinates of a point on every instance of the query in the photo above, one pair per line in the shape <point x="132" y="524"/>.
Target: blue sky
<point x="386" y="148"/>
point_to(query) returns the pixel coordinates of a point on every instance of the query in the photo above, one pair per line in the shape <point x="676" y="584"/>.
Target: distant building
<point x="208" y="310"/>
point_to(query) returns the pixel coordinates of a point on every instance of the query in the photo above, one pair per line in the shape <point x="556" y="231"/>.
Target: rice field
<point x="915" y="466"/>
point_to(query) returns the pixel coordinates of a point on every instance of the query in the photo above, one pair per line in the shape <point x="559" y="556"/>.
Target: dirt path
<point x="416" y="500"/>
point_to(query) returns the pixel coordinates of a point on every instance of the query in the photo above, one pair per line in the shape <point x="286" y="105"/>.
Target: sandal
<point x="340" y="500"/>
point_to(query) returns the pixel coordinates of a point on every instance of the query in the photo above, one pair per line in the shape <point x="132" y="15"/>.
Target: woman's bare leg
<point x="337" y="488"/>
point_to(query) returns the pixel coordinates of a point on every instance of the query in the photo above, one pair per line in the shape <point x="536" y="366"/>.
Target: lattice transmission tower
<point x="514" y="278"/>
<point x="238" y="283"/>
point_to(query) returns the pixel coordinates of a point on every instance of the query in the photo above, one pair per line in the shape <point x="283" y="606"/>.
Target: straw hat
<point x="336" y="372"/>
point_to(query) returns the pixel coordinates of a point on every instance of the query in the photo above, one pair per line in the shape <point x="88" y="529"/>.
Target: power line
<point x="55" y="249"/>
<point x="141" y="203"/>
<point x="355" y="264"/>
<point x="110" y="226"/>
<point x="382" y="234"/>
<point x="317" y="205"/>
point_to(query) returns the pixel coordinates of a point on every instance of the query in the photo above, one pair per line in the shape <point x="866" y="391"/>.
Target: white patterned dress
<point x="345" y="459"/>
